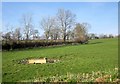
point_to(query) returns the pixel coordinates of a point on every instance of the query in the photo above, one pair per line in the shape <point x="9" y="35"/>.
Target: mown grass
<point x="98" y="55"/>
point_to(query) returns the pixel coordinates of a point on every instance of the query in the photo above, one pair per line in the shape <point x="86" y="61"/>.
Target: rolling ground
<point x="97" y="55"/>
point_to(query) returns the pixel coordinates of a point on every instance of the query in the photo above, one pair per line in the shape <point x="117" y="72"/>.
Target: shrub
<point x="32" y="44"/>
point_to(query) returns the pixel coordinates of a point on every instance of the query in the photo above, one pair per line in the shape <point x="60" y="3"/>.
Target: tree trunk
<point x="64" y="38"/>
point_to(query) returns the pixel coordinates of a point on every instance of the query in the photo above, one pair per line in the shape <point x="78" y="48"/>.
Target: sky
<point x="60" y="0"/>
<point x="102" y="16"/>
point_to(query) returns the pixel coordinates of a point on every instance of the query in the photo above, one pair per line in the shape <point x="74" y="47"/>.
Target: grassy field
<point x="98" y="55"/>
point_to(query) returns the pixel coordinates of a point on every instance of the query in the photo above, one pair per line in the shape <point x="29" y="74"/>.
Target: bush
<point x="81" y="40"/>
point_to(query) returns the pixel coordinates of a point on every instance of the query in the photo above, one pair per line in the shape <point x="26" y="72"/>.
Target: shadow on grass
<point x="36" y="48"/>
<point x="96" y="42"/>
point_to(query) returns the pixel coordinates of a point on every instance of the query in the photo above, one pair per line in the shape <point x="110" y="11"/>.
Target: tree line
<point x="59" y="28"/>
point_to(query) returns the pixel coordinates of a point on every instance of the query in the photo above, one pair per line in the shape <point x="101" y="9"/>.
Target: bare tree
<point x="55" y="33"/>
<point x="66" y="19"/>
<point x="17" y="34"/>
<point x="35" y="34"/>
<point x="47" y="25"/>
<point x="68" y="34"/>
<point x="81" y="32"/>
<point x="7" y="37"/>
<point x="27" y="25"/>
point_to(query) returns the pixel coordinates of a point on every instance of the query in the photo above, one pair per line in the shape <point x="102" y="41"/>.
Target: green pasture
<point x="97" y="55"/>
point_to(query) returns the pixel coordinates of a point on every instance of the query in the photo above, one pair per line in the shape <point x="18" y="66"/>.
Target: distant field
<point x="98" y="55"/>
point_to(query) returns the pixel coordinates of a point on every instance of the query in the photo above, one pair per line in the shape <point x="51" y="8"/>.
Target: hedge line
<point x="23" y="45"/>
